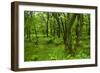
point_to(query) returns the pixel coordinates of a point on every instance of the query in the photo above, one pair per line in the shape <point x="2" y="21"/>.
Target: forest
<point x="56" y="36"/>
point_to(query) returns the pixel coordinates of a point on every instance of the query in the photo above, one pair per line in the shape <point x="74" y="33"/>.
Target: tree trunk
<point x="47" y="24"/>
<point x="67" y="34"/>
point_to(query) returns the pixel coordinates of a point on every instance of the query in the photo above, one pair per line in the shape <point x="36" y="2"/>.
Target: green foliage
<point x="49" y="40"/>
<point x="58" y="41"/>
<point x="56" y="36"/>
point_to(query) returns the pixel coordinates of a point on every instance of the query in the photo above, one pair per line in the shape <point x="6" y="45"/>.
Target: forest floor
<point x="47" y="49"/>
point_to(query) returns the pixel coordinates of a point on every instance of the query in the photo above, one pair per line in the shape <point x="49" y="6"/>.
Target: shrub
<point x="34" y="58"/>
<point x="58" y="41"/>
<point x="49" y="40"/>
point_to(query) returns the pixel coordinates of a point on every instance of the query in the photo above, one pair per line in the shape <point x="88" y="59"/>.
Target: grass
<point x="50" y="49"/>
